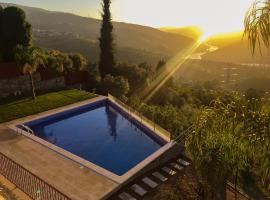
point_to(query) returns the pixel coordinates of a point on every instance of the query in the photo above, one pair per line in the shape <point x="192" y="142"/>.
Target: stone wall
<point x="21" y="84"/>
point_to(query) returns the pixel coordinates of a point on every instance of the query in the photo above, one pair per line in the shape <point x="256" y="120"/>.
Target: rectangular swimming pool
<point x="101" y="133"/>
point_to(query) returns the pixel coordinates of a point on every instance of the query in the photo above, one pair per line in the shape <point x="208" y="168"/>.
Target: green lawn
<point x="15" y="109"/>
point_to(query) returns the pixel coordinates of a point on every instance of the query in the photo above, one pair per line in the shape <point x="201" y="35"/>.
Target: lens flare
<point x="172" y="66"/>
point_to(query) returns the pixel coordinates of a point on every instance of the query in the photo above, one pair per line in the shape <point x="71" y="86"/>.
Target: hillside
<point x="189" y="31"/>
<point x="233" y="48"/>
<point x="226" y="39"/>
<point x="136" y="39"/>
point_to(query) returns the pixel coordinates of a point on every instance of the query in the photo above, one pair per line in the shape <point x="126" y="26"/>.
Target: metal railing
<point x="23" y="127"/>
<point x="182" y="137"/>
<point x="29" y="183"/>
<point x="140" y="117"/>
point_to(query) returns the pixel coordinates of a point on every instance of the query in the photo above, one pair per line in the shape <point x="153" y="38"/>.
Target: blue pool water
<point x="101" y="135"/>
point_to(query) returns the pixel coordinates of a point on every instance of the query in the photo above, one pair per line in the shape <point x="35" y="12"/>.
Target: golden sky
<point x="214" y="16"/>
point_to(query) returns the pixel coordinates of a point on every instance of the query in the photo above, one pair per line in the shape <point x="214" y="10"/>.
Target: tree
<point x="54" y="63"/>
<point x="257" y="24"/>
<point x="66" y="62"/>
<point x="160" y="64"/>
<point x="136" y="74"/>
<point x="79" y="62"/>
<point x="17" y="31"/>
<point x="217" y="148"/>
<point x="117" y="86"/>
<point x="107" y="60"/>
<point x="30" y="58"/>
<point x="59" y="62"/>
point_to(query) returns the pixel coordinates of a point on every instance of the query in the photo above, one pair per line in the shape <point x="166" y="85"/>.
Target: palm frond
<point x="257" y="25"/>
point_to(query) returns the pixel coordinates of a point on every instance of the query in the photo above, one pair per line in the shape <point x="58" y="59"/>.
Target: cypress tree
<point x="107" y="60"/>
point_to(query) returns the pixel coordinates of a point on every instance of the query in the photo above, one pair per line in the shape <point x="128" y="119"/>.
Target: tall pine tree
<point x="107" y="60"/>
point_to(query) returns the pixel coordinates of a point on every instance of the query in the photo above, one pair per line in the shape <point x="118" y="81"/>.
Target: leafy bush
<point x="116" y="85"/>
<point x="228" y="138"/>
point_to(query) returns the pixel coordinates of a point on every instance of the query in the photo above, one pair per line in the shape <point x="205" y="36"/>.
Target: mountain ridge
<point x="49" y="24"/>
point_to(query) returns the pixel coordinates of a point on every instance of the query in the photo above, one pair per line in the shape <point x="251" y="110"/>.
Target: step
<point x="160" y="176"/>
<point x="138" y="189"/>
<point x="183" y="162"/>
<point x="176" y="166"/>
<point x="149" y="182"/>
<point x="169" y="171"/>
<point x="126" y="196"/>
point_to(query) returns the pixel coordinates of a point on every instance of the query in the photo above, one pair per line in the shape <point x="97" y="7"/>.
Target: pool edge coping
<point x="80" y="161"/>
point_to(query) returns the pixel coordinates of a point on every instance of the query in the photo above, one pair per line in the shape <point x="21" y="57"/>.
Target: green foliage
<point x="15" y="30"/>
<point x="107" y="60"/>
<point x="54" y="61"/>
<point x="137" y="75"/>
<point x="94" y="79"/>
<point x="230" y="136"/>
<point x="169" y="117"/>
<point x="79" y="62"/>
<point x="257" y="24"/>
<point x="62" y="62"/>
<point x="30" y="58"/>
<point x="197" y="95"/>
<point x="116" y="85"/>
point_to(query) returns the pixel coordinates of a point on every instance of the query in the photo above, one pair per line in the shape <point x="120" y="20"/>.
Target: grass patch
<point x="15" y="109"/>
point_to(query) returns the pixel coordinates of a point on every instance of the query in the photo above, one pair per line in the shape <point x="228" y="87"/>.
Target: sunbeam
<point x="172" y="66"/>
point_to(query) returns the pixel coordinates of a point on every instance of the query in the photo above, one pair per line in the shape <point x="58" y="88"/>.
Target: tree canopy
<point x="30" y="58"/>
<point x="15" y="30"/>
<point x="116" y="85"/>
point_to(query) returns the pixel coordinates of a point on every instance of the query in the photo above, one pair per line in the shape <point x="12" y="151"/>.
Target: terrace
<point x="68" y="169"/>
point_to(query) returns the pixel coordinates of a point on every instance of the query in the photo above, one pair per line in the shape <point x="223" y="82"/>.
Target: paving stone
<point x="160" y="176"/>
<point x="169" y="171"/>
<point x="183" y="162"/>
<point x="7" y="183"/>
<point x="126" y="196"/>
<point x="21" y="195"/>
<point x="149" y="182"/>
<point x="138" y="189"/>
<point x="176" y="166"/>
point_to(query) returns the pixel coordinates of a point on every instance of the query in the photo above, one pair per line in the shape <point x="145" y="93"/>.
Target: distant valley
<point x="234" y="48"/>
<point x="71" y="33"/>
<point x="134" y="43"/>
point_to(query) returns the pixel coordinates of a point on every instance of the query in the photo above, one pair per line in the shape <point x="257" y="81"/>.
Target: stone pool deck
<point x="69" y="177"/>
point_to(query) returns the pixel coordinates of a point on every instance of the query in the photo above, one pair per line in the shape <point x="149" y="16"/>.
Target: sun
<point x="206" y="34"/>
<point x="215" y="16"/>
<point x="204" y="37"/>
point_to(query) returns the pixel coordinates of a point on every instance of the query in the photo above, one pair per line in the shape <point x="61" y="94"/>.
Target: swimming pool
<point x="101" y="133"/>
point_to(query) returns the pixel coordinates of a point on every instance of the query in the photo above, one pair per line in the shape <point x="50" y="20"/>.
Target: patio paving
<point x="69" y="177"/>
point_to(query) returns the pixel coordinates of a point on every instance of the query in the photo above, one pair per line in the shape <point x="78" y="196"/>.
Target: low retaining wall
<point x="21" y="85"/>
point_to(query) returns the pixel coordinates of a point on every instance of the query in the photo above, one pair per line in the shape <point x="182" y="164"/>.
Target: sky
<point x="213" y="16"/>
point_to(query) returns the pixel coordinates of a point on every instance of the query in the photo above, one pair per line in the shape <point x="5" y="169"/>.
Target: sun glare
<point x="214" y="16"/>
<point x="204" y="37"/>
